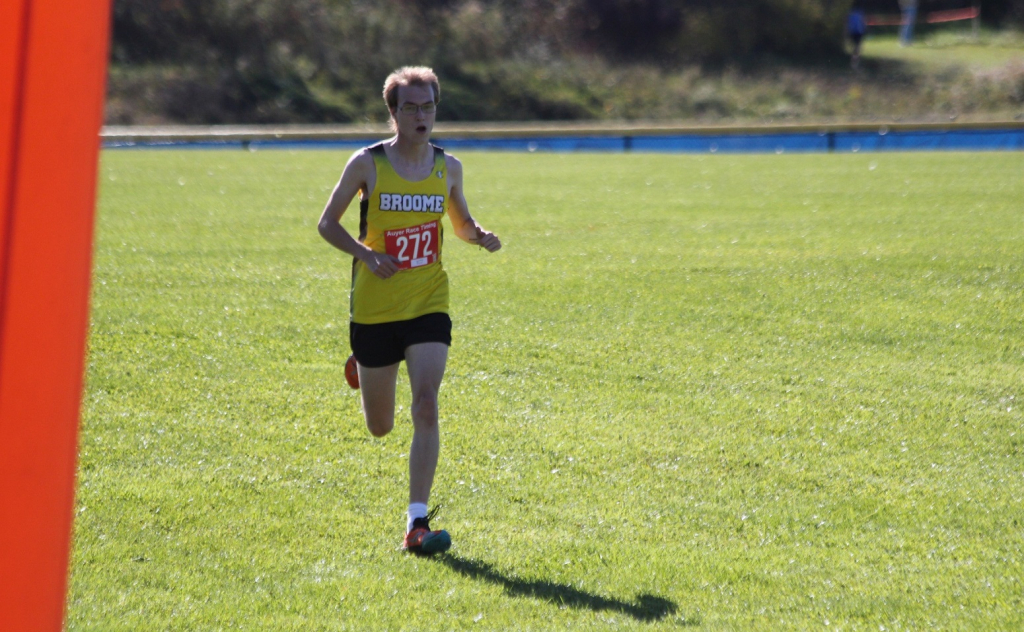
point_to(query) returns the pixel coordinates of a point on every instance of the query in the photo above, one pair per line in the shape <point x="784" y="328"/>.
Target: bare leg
<point x="426" y="363"/>
<point x="377" y="387"/>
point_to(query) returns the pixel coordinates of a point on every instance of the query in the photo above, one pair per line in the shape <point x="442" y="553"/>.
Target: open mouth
<point x="421" y="128"/>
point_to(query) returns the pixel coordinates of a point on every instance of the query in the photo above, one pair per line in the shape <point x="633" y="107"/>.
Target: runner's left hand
<point x="488" y="240"/>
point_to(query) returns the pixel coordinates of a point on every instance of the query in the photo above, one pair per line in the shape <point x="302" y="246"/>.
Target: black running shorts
<point x="384" y="344"/>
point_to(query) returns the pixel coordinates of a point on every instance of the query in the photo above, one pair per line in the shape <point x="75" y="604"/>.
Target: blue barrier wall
<point x="776" y="142"/>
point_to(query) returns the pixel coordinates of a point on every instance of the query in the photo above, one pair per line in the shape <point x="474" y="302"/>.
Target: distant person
<point x="399" y="299"/>
<point x="856" y="28"/>
<point x="908" y="10"/>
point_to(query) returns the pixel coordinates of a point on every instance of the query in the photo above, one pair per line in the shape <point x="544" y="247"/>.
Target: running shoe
<point x="352" y="372"/>
<point x="423" y="541"/>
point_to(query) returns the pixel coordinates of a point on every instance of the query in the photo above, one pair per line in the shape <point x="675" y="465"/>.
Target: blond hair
<point x="410" y="76"/>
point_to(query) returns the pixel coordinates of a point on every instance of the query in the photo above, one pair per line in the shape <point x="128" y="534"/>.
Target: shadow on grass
<point x="645" y="608"/>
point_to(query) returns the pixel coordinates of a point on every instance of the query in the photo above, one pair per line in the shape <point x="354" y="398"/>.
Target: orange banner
<point x="53" y="57"/>
<point x="952" y="15"/>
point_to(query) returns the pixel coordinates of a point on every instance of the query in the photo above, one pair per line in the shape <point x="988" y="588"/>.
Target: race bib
<point x="414" y="247"/>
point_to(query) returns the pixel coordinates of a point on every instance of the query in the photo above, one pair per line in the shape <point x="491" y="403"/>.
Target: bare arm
<point x="357" y="176"/>
<point x="466" y="228"/>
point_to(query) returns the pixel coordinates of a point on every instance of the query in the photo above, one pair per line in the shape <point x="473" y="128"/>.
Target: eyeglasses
<point x="412" y="108"/>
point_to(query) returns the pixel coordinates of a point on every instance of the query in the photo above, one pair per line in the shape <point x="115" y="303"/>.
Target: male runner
<point x="399" y="300"/>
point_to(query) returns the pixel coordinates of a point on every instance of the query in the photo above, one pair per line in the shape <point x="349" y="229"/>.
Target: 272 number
<point x="420" y="240"/>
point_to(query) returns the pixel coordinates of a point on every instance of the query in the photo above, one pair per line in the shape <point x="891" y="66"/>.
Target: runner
<point x="856" y="28"/>
<point x="399" y="299"/>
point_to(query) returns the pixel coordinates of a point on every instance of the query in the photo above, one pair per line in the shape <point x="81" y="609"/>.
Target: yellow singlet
<point x="402" y="218"/>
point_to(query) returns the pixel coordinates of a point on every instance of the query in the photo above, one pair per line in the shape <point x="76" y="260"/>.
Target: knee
<point x="424" y="409"/>
<point x="380" y="425"/>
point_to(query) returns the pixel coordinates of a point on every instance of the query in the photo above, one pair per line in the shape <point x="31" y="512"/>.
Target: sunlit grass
<point x="951" y="45"/>
<point x="728" y="392"/>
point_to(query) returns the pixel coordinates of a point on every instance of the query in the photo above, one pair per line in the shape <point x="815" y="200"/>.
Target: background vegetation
<point x="289" y="61"/>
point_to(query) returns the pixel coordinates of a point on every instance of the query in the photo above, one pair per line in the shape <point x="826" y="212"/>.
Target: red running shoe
<point x="351" y="372"/>
<point x="423" y="541"/>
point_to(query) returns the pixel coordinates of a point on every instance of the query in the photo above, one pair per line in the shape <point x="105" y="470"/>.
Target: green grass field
<point x="952" y="45"/>
<point x="719" y="392"/>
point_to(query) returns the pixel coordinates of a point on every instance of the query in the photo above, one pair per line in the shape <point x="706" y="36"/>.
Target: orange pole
<point x="52" y="72"/>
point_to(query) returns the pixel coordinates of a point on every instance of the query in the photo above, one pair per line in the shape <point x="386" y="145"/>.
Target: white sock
<point x="416" y="510"/>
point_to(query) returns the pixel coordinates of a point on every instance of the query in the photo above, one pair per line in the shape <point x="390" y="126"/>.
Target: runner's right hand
<point x="383" y="265"/>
